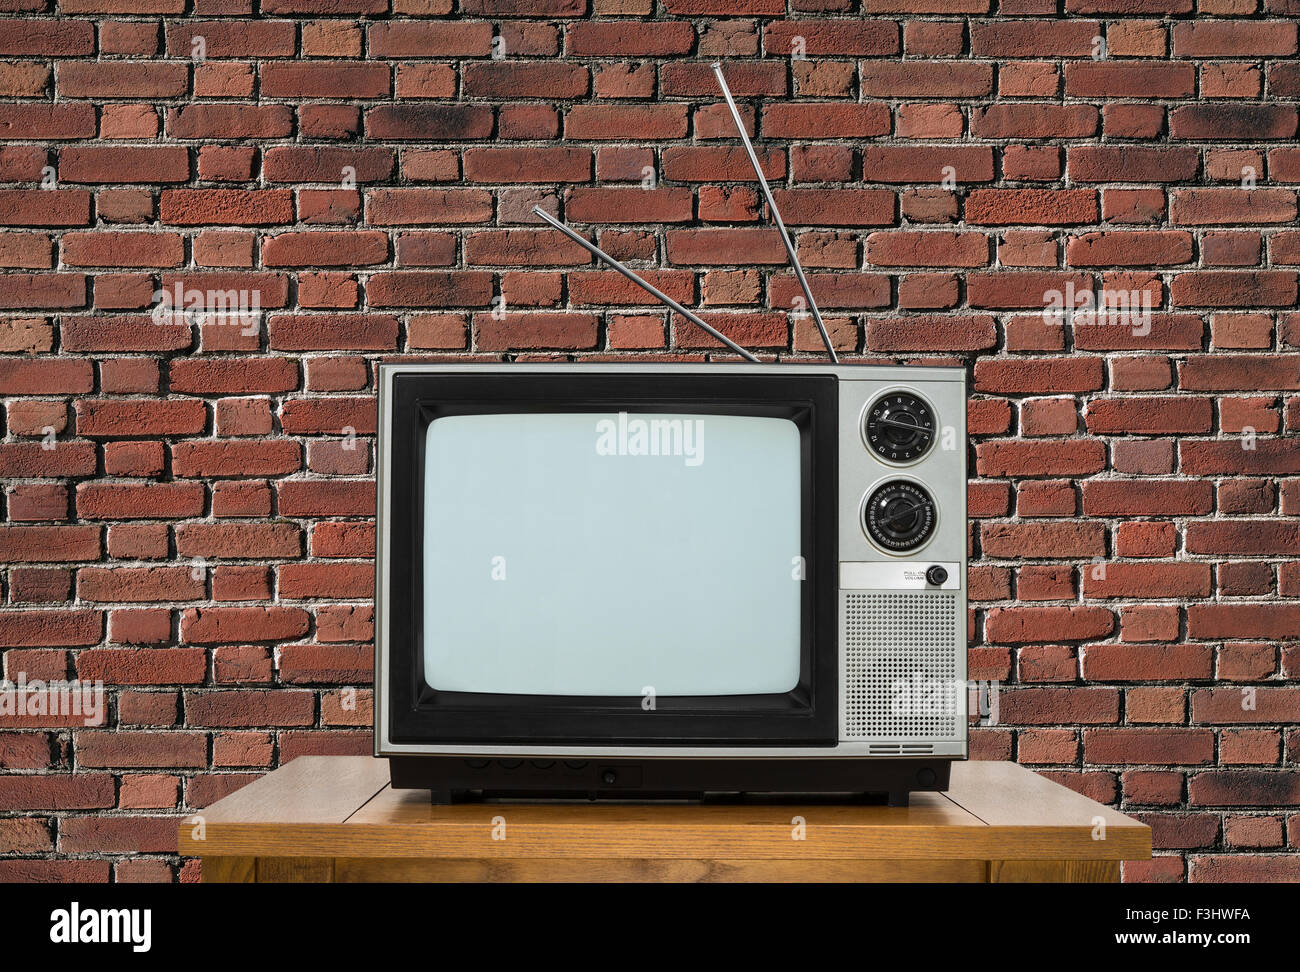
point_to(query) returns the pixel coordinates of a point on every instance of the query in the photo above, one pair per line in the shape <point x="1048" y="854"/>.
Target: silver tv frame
<point x="866" y="569"/>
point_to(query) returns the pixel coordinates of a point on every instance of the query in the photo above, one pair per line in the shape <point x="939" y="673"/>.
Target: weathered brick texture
<point x="187" y="498"/>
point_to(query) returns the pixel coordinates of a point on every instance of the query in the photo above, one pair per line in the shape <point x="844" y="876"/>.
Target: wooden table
<point x="335" y="818"/>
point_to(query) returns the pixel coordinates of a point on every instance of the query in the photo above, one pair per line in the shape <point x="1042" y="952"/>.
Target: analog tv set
<point x="646" y="580"/>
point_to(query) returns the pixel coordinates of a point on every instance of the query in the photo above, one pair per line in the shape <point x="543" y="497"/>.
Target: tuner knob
<point x="899" y="515"/>
<point x="936" y="576"/>
<point x="900" y="428"/>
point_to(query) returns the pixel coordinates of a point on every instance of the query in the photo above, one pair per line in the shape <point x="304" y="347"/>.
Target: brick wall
<point x="187" y="499"/>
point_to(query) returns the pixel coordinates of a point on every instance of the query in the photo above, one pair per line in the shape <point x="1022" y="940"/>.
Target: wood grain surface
<point x="322" y="818"/>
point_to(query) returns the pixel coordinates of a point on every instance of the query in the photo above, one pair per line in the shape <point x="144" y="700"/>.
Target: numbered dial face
<point x="900" y="427"/>
<point x="899" y="516"/>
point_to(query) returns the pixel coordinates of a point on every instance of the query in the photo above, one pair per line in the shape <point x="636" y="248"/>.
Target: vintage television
<point x="658" y="580"/>
<point x="647" y="580"/>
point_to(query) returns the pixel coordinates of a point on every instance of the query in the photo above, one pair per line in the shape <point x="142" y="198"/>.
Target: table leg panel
<point x="1068" y="872"/>
<point x="473" y="870"/>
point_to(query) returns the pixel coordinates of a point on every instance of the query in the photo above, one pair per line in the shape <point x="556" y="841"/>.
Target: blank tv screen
<point x="609" y="554"/>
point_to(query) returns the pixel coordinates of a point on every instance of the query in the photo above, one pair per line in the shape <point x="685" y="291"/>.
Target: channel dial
<point x="899" y="516"/>
<point x="899" y="427"/>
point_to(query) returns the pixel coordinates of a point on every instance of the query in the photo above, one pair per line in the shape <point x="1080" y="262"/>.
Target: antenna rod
<point x="643" y="284"/>
<point x="776" y="213"/>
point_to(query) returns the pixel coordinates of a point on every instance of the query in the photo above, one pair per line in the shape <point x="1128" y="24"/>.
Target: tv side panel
<point x="903" y="636"/>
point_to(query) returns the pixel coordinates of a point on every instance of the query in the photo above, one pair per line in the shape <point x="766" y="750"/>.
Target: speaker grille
<point x="901" y="666"/>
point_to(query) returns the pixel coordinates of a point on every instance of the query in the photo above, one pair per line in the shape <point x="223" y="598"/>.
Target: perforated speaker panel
<point x="900" y="679"/>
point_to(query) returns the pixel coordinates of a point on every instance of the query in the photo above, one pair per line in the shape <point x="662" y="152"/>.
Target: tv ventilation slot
<point x="900" y="749"/>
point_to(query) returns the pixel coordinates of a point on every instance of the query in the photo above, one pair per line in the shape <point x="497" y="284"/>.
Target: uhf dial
<point x="900" y="427"/>
<point x="899" y="515"/>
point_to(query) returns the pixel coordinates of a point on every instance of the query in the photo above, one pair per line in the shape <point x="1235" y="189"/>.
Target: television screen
<point x="612" y="554"/>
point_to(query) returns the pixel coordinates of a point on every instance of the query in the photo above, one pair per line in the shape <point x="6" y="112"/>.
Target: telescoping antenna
<point x="776" y="213"/>
<point x="642" y="283"/>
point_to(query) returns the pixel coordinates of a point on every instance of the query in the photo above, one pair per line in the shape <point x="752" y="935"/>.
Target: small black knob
<point x="608" y="777"/>
<point x="936" y="575"/>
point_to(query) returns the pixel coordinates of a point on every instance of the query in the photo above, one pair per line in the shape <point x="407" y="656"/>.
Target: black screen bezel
<point x="807" y="715"/>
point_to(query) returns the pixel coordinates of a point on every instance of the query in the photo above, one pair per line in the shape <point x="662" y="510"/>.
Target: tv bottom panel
<point x="457" y="778"/>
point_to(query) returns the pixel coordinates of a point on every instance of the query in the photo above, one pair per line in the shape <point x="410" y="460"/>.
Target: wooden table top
<point x="343" y="806"/>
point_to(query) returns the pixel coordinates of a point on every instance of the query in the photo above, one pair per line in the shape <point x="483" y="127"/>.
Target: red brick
<point x="1001" y="207"/>
<point x="32" y="460"/>
<point x="1058" y="706"/>
<point x="409" y="288"/>
<point x="61" y="121"/>
<point x="1034" y="121"/>
<point x="139" y="626"/>
<point x="117" y="164"/>
<point x="1212" y="621"/>
<point x="906" y="163"/>
<point x="1232" y="121"/>
<point x="1123" y="497"/>
<point x="926" y="79"/>
<point x="533" y="164"/>
<point x="707" y="163"/>
<point x="1160" y="746"/>
<point x="49" y="544"/>
<point x="1173" y="580"/>
<point x="932" y="333"/>
<point x="122" y="79"/>
<point x="828" y="120"/>
<point x="429" y="39"/>
<point x="1228" y="39"/>
<point x="514" y="331"/>
<point x="227" y="207"/>
<point x="1128" y="79"/>
<point x="694" y="78"/>
<point x="1009" y="457"/>
<point x="116" y="417"/>
<point x="1028" y="38"/>
<point x="206" y="460"/>
<point x="341" y="664"/>
<point x="1020" y="625"/>
<point x="1206" y="207"/>
<point x="63" y="791"/>
<point x="212" y="121"/>
<point x="111" y="501"/>
<point x="929" y="249"/>
<point x="245" y="707"/>
<point x="325" y="79"/>
<point x="603" y="122"/>
<point x="113" y="584"/>
<point x="243" y="376"/>
<point x="1016" y="540"/>
<point x="868" y="38"/>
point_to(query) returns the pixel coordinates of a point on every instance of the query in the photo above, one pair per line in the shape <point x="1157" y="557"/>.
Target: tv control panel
<point x="902" y="476"/>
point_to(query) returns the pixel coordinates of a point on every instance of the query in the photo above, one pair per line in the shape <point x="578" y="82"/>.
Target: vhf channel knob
<point x="936" y="575"/>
